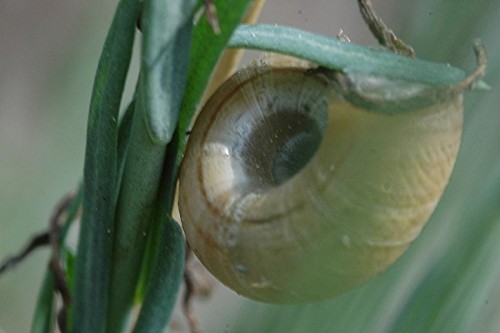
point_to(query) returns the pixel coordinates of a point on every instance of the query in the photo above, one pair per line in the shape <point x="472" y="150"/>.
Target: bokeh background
<point x="447" y="282"/>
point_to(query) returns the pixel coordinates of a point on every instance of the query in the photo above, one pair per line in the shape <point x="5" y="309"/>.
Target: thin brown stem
<point x="41" y="239"/>
<point x="50" y="237"/>
<point x="382" y="33"/>
<point x="481" y="62"/>
<point x="60" y="283"/>
<point x="473" y="78"/>
<point x="36" y="242"/>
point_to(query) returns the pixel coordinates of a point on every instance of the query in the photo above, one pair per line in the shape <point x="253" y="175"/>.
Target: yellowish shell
<point x="291" y="193"/>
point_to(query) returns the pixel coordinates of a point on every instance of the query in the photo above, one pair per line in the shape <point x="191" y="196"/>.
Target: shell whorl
<point x="290" y="193"/>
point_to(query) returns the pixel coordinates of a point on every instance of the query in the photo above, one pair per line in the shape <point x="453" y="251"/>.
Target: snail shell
<point x="290" y="193"/>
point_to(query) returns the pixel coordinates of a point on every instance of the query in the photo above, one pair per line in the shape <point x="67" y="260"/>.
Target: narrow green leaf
<point x="43" y="318"/>
<point x="167" y="28"/>
<point x="161" y="211"/>
<point x="164" y="281"/>
<point x="346" y="57"/>
<point x="124" y="137"/>
<point x="139" y="186"/>
<point x="93" y="264"/>
<point x="206" y="49"/>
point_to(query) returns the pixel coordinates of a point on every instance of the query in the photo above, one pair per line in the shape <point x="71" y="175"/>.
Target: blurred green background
<point x="447" y="282"/>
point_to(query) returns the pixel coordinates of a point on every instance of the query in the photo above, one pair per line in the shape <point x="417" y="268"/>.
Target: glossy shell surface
<point x="289" y="193"/>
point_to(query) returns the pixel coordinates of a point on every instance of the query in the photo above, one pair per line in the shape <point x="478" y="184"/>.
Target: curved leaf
<point x="346" y="57"/>
<point x="206" y="49"/>
<point x="164" y="281"/>
<point x="93" y="263"/>
<point x="43" y="318"/>
<point x="166" y="29"/>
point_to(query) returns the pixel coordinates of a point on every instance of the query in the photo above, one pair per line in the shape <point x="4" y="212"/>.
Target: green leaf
<point x="141" y="175"/>
<point x="43" y="318"/>
<point x="206" y="49"/>
<point x="161" y="213"/>
<point x="345" y="57"/>
<point x="166" y="27"/>
<point x="124" y="137"/>
<point x="93" y="264"/>
<point x="164" y="281"/>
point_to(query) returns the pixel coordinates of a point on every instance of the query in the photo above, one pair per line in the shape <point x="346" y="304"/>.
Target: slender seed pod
<point x="294" y="190"/>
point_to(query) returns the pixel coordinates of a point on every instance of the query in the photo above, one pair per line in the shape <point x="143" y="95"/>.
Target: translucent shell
<point x="290" y="193"/>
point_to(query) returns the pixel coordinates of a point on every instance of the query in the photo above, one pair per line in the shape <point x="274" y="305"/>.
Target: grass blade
<point x="167" y="28"/>
<point x="206" y="49"/>
<point x="349" y="58"/>
<point x="43" y="318"/>
<point x="164" y="280"/>
<point x="93" y="263"/>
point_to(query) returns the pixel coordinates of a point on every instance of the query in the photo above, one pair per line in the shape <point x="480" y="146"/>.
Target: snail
<point x="293" y="190"/>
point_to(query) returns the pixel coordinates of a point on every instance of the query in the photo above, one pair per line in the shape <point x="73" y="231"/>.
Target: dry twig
<point x="384" y="35"/>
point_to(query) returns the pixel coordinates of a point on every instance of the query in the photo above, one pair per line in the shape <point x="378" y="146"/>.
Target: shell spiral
<point x="291" y="193"/>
